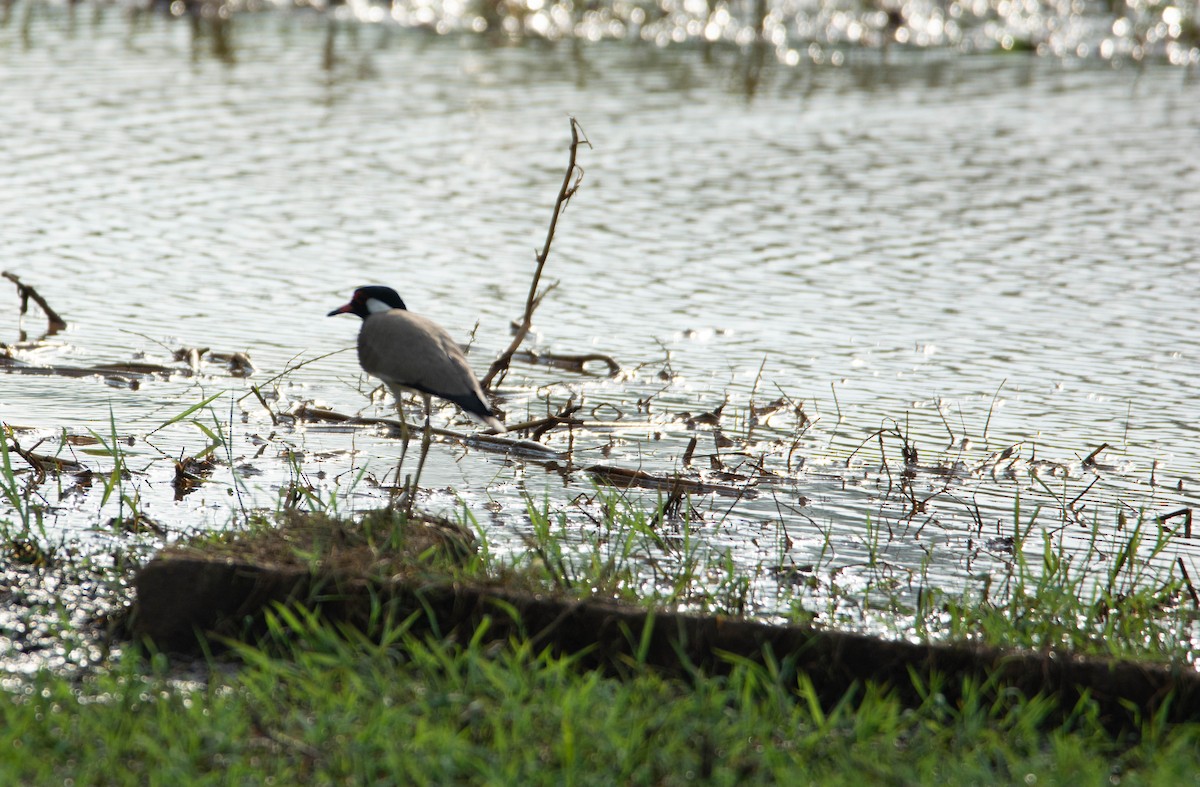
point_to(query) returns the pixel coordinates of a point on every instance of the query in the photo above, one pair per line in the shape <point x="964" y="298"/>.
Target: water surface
<point x="983" y="253"/>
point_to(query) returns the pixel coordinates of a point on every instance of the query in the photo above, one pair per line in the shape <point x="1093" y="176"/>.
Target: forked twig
<point x="571" y="182"/>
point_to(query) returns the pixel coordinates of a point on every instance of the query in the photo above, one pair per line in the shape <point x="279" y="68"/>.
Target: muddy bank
<point x="360" y="575"/>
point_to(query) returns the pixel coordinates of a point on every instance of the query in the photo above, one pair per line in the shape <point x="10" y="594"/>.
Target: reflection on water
<point x="985" y="260"/>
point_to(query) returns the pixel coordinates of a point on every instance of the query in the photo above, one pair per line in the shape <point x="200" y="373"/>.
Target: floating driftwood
<point x="625" y="477"/>
<point x="113" y="376"/>
<point x="130" y="374"/>
<point x="577" y="363"/>
<point x="185" y="594"/>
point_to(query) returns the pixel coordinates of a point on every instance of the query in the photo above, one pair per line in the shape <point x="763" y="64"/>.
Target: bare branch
<point x="570" y="184"/>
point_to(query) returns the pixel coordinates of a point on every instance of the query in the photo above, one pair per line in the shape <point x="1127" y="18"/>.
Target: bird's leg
<point x="401" y="487"/>
<point x="405" y="432"/>
<point x="404" y="436"/>
<point x="426" y="439"/>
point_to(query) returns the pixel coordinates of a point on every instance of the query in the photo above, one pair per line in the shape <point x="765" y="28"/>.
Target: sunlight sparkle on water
<point x="975" y="25"/>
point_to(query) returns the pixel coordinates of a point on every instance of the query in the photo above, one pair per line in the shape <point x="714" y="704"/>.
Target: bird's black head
<point x="368" y="300"/>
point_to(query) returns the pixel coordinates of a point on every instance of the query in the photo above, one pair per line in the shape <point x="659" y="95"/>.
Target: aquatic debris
<point x="624" y="477"/>
<point x="190" y="473"/>
<point x="712" y="418"/>
<point x="27" y="293"/>
<point x="41" y="463"/>
<point x="237" y="363"/>
<point x="135" y="523"/>
<point x="125" y="374"/>
<point x="1187" y="582"/>
<point x="310" y="412"/>
<point x="570" y="363"/>
<point x="1186" y="513"/>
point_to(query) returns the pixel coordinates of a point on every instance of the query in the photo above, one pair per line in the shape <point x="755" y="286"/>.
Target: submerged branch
<point x="492" y="442"/>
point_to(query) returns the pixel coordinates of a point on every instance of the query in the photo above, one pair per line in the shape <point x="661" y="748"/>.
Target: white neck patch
<point x="374" y="306"/>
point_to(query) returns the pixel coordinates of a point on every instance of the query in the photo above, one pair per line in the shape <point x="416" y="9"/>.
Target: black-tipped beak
<point x="341" y="310"/>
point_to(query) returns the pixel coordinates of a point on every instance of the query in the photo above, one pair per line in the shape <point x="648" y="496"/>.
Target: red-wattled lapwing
<point x="409" y="352"/>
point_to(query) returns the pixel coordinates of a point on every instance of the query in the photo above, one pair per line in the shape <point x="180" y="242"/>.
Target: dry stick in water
<point x="26" y="292"/>
<point x="1188" y="582"/>
<point x="991" y="409"/>
<point x="570" y="184"/>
